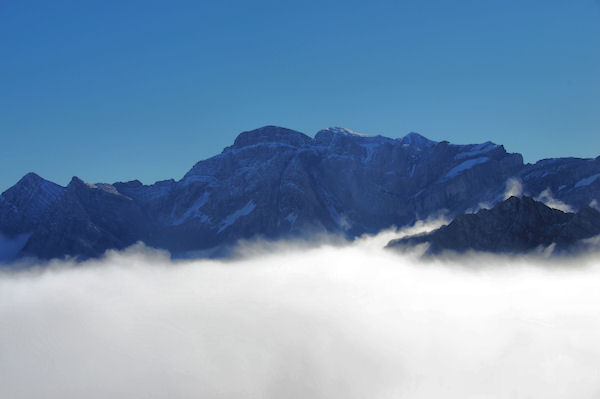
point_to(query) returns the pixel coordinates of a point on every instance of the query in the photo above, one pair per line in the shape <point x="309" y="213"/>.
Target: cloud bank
<point x="288" y="321"/>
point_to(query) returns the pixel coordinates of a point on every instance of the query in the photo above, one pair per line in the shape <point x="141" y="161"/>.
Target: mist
<point x="290" y="321"/>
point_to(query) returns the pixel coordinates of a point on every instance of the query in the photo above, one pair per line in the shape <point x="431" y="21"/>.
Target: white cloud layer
<point x="351" y="321"/>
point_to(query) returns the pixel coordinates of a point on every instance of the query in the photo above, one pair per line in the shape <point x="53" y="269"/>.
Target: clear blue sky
<point x="117" y="90"/>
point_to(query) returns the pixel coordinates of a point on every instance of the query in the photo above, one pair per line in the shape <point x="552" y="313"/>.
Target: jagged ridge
<point x="516" y="225"/>
<point x="276" y="182"/>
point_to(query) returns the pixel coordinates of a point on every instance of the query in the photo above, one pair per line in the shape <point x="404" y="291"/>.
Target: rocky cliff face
<point x="516" y="225"/>
<point x="87" y="220"/>
<point x="24" y="206"/>
<point x="275" y="182"/>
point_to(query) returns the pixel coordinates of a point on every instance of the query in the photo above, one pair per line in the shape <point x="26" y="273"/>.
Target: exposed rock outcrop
<point x="275" y="182"/>
<point x="517" y="225"/>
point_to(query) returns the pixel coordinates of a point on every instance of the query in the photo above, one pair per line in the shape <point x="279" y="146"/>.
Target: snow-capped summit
<point x="271" y="134"/>
<point x="77" y="183"/>
<point x="339" y="135"/>
<point x="343" y="131"/>
<point x="416" y="140"/>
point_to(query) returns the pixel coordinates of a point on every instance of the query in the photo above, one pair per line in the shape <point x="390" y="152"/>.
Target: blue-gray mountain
<point x="517" y="225"/>
<point x="275" y="182"/>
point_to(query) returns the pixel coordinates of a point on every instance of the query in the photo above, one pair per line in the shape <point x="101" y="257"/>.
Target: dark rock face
<point x="275" y="182"/>
<point x="516" y="225"/>
<point x="87" y="220"/>
<point x="572" y="180"/>
<point x="24" y="206"/>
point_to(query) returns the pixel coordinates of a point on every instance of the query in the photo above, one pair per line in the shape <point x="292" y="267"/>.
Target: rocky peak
<point x="271" y="134"/>
<point x="416" y="140"/>
<point x="517" y="225"/>
<point x="24" y="205"/>
<point x="132" y="184"/>
<point x="326" y="136"/>
<point x="525" y="213"/>
<point x="81" y="186"/>
<point x="522" y="205"/>
<point x="77" y="182"/>
<point x="31" y="178"/>
<point x="275" y="181"/>
<point x="30" y="181"/>
<point x="341" y="131"/>
<point x="33" y="194"/>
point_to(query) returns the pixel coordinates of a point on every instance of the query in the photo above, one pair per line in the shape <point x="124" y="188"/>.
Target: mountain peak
<point x="343" y="131"/>
<point x="76" y="181"/>
<point x="276" y="182"/>
<point x="29" y="199"/>
<point x="518" y="224"/>
<point x="271" y="134"/>
<point x="31" y="183"/>
<point x="31" y="177"/>
<point x="416" y="140"/>
<point x="333" y="134"/>
<point x="78" y="184"/>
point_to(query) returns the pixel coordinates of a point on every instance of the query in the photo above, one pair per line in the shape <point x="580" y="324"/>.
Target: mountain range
<point x="516" y="225"/>
<point x="274" y="183"/>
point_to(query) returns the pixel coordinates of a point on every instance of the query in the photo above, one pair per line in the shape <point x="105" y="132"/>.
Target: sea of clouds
<point x="287" y="320"/>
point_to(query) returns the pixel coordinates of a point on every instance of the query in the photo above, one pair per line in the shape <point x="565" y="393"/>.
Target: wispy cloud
<point x="514" y="188"/>
<point x="547" y="198"/>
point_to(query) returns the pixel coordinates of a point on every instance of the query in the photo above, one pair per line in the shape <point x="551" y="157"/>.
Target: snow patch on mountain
<point x="340" y="219"/>
<point x="466" y="165"/>
<point x="231" y="219"/>
<point x="109" y="188"/>
<point x="193" y="211"/>
<point x="587" y="181"/>
<point x="476" y="150"/>
<point x="291" y="218"/>
<point x="411" y="171"/>
<point x="345" y="132"/>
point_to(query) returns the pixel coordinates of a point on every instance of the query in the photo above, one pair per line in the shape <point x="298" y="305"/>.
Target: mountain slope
<point x="516" y="225"/>
<point x="24" y="205"/>
<point x="275" y="182"/>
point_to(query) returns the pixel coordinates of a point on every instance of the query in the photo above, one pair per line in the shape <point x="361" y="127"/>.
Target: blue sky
<point x="117" y="90"/>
